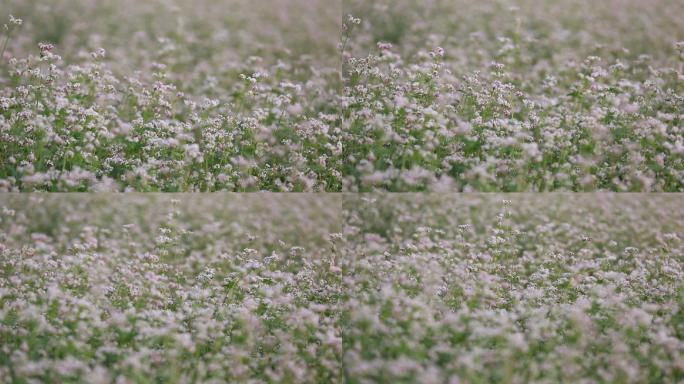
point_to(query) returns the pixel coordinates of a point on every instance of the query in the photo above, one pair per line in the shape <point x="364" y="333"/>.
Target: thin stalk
<point x="4" y="46"/>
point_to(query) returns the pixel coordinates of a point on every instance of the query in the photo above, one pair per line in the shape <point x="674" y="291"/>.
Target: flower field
<point x="170" y="96"/>
<point x="342" y="288"/>
<point x="515" y="289"/>
<point x="204" y="191"/>
<point x="163" y="288"/>
<point x="294" y="95"/>
<point x="514" y="95"/>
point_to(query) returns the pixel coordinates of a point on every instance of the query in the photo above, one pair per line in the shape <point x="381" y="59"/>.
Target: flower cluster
<point x="185" y="108"/>
<point x="103" y="289"/>
<point x="341" y="288"/>
<point x="532" y="289"/>
<point x="484" y="96"/>
<point x="396" y="95"/>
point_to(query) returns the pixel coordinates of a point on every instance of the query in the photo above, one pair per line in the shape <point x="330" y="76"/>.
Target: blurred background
<point x="202" y="33"/>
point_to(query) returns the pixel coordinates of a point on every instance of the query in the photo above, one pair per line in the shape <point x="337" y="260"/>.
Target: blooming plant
<point x="362" y="97"/>
<point x="341" y="288"/>
<point x="514" y="96"/>
<point x="167" y="288"/>
<point x="201" y="101"/>
<point x="514" y="289"/>
<point x="431" y="95"/>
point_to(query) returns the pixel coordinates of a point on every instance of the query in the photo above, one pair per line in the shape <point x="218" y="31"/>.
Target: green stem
<point x="4" y="46"/>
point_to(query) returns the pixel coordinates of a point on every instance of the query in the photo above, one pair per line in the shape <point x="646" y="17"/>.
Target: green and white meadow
<point x="361" y="98"/>
<point x="267" y="288"/>
<point x="352" y="95"/>
<point x="169" y="95"/>
<point x="169" y="289"/>
<point x="519" y="95"/>
<point x="514" y="289"/>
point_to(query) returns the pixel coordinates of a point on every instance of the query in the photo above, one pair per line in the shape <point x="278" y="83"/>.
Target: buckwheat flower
<point x="295" y="109"/>
<point x="630" y="250"/>
<point x="45" y="47"/>
<point x="353" y="20"/>
<point x="532" y="150"/>
<point x="518" y="341"/>
<point x="15" y="21"/>
<point x="671" y="236"/>
<point x="185" y="341"/>
<point x="400" y="101"/>
<point x="98" y="54"/>
<point x="384" y="46"/>
<point x="463" y="127"/>
<point x="322" y="161"/>
<point x="192" y="151"/>
<point x="105" y="184"/>
<point x="679" y="46"/>
<point x="439" y="51"/>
